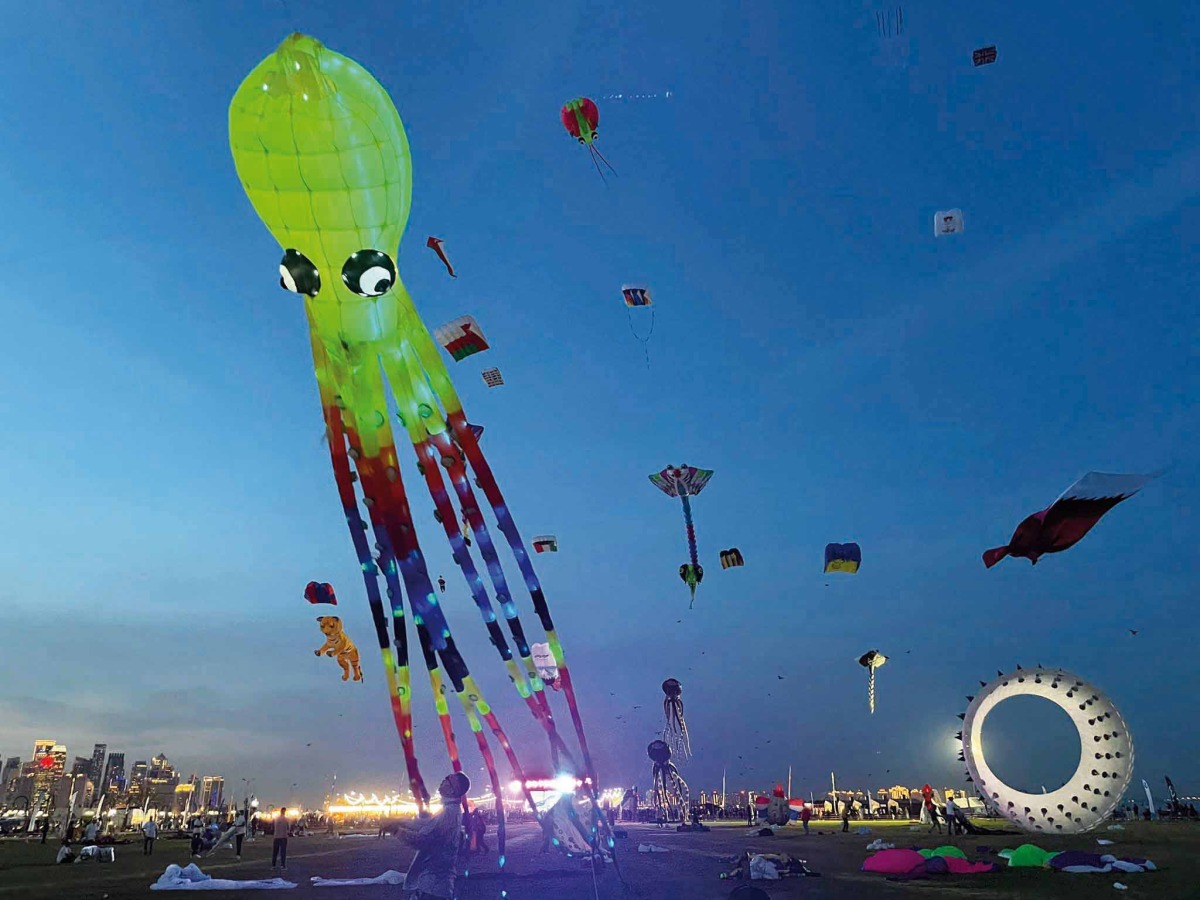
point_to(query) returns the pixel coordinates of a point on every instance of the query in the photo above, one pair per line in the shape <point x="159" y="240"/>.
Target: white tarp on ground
<point x="391" y="876"/>
<point x="192" y="879"/>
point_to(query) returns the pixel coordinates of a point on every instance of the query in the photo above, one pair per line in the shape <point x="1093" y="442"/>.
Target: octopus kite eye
<point x="369" y="273"/>
<point x="298" y="274"/>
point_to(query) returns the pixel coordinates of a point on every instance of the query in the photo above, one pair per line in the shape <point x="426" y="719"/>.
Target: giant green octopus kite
<point x="323" y="157"/>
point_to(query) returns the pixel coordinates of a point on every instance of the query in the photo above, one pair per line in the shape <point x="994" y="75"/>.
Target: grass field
<point x="690" y="871"/>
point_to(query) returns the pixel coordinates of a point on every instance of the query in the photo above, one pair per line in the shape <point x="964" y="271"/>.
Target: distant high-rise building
<point x="97" y="769"/>
<point x="212" y="790"/>
<point x="8" y="778"/>
<point x="41" y="748"/>
<point x="137" y="781"/>
<point x="59" y="754"/>
<point x="182" y="797"/>
<point x="161" y="782"/>
<point x="81" y="766"/>
<point x="114" y="776"/>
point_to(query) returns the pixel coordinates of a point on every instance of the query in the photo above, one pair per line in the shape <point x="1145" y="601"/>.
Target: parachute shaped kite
<point x="668" y="788"/>
<point x="492" y="377"/>
<point x="871" y="660"/>
<point x="461" y="337"/>
<point x="638" y="297"/>
<point x="843" y="558"/>
<point x="322" y="155"/>
<point x="984" y="56"/>
<point x="547" y="666"/>
<point x="545" y="543"/>
<point x="676" y="730"/>
<point x="684" y="482"/>
<point x="1064" y="523"/>
<point x="948" y="221"/>
<point x="731" y="557"/>
<point x="435" y="244"/>
<point x="320" y="592"/>
<point x="581" y="118"/>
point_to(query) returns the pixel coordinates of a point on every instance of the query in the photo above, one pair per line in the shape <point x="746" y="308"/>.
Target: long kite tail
<point x="439" y="379"/>
<point x="433" y="447"/>
<point x="871" y="689"/>
<point x="395" y="667"/>
<point x="691" y="532"/>
<point x="438" y="686"/>
<point x="489" y="762"/>
<point x="487" y="482"/>
<point x="597" y="154"/>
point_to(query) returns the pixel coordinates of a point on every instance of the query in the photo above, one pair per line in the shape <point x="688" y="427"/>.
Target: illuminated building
<point x="181" y="801"/>
<point x="137" y="782"/>
<point x="212" y="789"/>
<point x="114" y="776"/>
<point x="96" y="772"/>
<point x="161" y="782"/>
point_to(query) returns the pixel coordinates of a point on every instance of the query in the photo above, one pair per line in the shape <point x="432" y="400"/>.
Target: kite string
<point x="645" y="341"/>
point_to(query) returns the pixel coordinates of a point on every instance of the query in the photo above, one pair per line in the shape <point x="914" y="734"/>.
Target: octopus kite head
<point x="322" y="154"/>
<point x="659" y="752"/>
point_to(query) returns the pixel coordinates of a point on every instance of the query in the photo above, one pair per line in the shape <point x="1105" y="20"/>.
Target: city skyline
<point x="43" y="780"/>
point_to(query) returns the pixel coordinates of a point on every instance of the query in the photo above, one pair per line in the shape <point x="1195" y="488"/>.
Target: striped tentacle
<point x="395" y="666"/>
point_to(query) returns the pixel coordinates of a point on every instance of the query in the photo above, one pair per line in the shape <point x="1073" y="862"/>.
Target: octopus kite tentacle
<point x="439" y="379"/>
<point x="395" y="667"/>
<point x="435" y="444"/>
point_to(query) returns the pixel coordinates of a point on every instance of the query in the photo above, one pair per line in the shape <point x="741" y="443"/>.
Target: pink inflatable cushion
<point x="894" y="862"/>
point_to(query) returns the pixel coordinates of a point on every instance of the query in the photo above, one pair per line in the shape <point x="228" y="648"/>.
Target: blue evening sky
<point x="167" y="494"/>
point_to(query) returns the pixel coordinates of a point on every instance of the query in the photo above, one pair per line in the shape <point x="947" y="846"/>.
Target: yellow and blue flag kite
<point x="842" y="558"/>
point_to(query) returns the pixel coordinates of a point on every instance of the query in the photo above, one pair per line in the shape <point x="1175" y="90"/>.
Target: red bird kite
<point x="1064" y="523"/>
<point x="435" y="244"/>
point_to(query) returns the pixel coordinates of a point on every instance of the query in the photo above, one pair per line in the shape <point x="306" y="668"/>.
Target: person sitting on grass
<point x="438" y="840"/>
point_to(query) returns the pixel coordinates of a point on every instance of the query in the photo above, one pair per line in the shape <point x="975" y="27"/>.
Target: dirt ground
<point x="690" y="870"/>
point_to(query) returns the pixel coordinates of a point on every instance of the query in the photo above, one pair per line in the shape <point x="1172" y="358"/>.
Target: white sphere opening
<point x="1106" y="758"/>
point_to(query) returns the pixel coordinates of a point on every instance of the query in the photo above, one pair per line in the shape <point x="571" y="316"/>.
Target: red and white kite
<point x="435" y="244"/>
<point x="461" y="337"/>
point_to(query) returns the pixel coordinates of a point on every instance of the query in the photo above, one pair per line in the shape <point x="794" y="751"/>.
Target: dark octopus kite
<point x="676" y="730"/>
<point x="667" y="785"/>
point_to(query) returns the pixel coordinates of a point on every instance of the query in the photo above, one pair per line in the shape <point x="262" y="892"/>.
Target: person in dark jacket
<point x="438" y="841"/>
